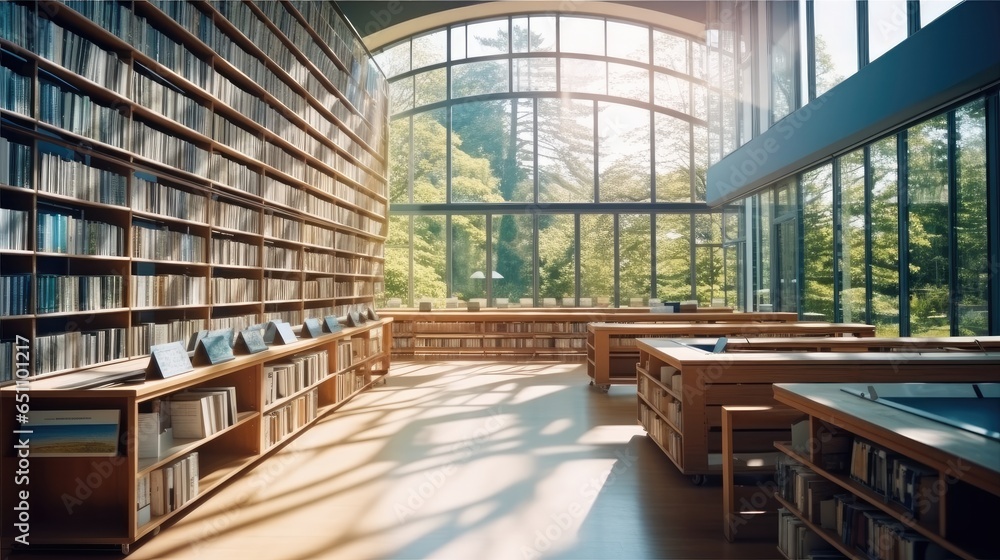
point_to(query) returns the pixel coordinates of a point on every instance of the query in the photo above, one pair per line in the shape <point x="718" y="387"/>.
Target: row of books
<point x="875" y="534"/>
<point x="80" y="56"/>
<point x="292" y="316"/>
<point x="162" y="244"/>
<point x="171" y="103"/>
<point x="80" y="114"/>
<point x="232" y="216"/>
<point x="289" y="27"/>
<point x="167" y="489"/>
<point x="355" y="288"/>
<point x="281" y="257"/>
<point x="318" y="288"/>
<point x="895" y="477"/>
<point x="235" y="290"/>
<point x="349" y="352"/>
<point x="233" y="174"/>
<point x="353" y="265"/>
<point x="14" y="230"/>
<point x="283" y="228"/>
<point x="224" y="131"/>
<point x="61" y="233"/>
<point x="77" y="349"/>
<point x="158" y="198"/>
<point x="235" y="322"/>
<point x="17" y="23"/>
<point x="144" y="335"/>
<point x="170" y="54"/>
<point x="200" y="412"/>
<point x="810" y="493"/>
<point x="287" y="377"/>
<point x="76" y="179"/>
<point x="360" y="245"/>
<point x="15" y="294"/>
<point x="281" y="422"/>
<point x="64" y="294"/>
<point x="115" y="18"/>
<point x="15" y="163"/>
<point x="157" y="46"/>
<point x="348" y="383"/>
<point x="230" y="252"/>
<point x="15" y="91"/>
<point x="168" y="290"/>
<point x="660" y="431"/>
<point x="276" y="289"/>
<point x="796" y="541"/>
<point x="168" y="149"/>
<point x="8" y="360"/>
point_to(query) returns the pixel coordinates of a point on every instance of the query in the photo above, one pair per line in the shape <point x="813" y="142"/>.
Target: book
<point x="74" y="433"/>
<point x="191" y="415"/>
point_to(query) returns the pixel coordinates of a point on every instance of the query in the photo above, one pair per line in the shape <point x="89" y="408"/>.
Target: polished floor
<point x="463" y="460"/>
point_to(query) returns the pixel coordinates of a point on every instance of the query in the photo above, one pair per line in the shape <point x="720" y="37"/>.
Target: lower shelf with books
<point x="874" y="481"/>
<point x="153" y="448"/>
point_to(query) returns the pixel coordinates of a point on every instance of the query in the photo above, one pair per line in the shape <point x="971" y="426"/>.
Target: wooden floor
<point x="463" y="460"/>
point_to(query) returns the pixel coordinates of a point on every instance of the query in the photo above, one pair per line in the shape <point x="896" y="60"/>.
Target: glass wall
<point x="549" y="146"/>
<point x="879" y="220"/>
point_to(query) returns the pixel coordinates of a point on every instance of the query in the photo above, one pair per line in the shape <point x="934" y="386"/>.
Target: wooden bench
<point x="612" y="354"/>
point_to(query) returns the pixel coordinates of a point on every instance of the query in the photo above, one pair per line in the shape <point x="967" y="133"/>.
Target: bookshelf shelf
<point x="164" y="121"/>
<point x="946" y="476"/>
<point x="224" y="454"/>
<point x="701" y="382"/>
<point x="230" y="160"/>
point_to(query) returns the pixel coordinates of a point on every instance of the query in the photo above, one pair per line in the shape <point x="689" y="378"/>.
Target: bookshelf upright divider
<point x="162" y="175"/>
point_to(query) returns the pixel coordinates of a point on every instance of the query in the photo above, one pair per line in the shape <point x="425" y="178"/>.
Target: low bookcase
<point x="75" y="497"/>
<point x="907" y="486"/>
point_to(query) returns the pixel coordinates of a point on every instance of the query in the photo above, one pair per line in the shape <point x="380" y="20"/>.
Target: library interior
<point x="534" y="279"/>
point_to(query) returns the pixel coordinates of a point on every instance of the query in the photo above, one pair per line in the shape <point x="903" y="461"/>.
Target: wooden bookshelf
<point x="165" y="165"/>
<point x="962" y="469"/>
<point x="354" y="359"/>
<point x="558" y="333"/>
<point x="173" y="167"/>
<point x="612" y="353"/>
<point x="682" y="388"/>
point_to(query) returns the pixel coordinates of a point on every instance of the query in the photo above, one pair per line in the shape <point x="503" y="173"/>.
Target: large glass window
<point x="887" y="26"/>
<point x="708" y="258"/>
<point x="836" y="42"/>
<point x="673" y="159"/>
<point x="597" y="256"/>
<point x="634" y="251"/>
<point x="885" y="237"/>
<point x="556" y="256"/>
<point x="430" y="156"/>
<point x="468" y="257"/>
<point x="624" y="153"/>
<point x="538" y="145"/>
<point x="513" y="257"/>
<point x="429" y="242"/>
<point x="853" y="294"/>
<point x="817" y="243"/>
<point x="673" y="257"/>
<point x="933" y="9"/>
<point x="971" y="227"/>
<point x="565" y="150"/>
<point x="581" y="35"/>
<point x="476" y="128"/>
<point x="927" y="182"/>
<point x="784" y="46"/>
